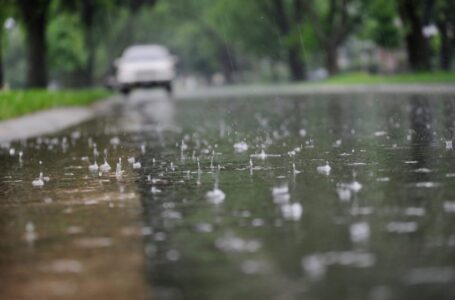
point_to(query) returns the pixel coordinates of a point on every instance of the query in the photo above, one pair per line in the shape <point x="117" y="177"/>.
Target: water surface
<point x="378" y="225"/>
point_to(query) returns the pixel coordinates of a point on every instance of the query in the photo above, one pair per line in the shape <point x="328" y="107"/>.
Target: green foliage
<point x="365" y="78"/>
<point x="66" y="44"/>
<point x="13" y="59"/>
<point x="203" y="32"/>
<point x="380" y="25"/>
<point x="17" y="103"/>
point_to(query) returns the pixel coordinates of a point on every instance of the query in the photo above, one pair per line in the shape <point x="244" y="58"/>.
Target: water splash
<point x="325" y="169"/>
<point x="39" y="182"/>
<point x="292" y="211"/>
<point x="93" y="167"/>
<point x="118" y="169"/>
<point x="240" y="147"/>
<point x="105" y="167"/>
<point x="359" y="232"/>
<point x="264" y="155"/>
<point x="216" y="196"/>
<point x="30" y="233"/>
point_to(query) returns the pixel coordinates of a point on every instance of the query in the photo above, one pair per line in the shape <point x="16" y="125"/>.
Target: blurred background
<point x="73" y="43"/>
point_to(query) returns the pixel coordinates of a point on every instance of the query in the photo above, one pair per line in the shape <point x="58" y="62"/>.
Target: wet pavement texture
<point x="315" y="197"/>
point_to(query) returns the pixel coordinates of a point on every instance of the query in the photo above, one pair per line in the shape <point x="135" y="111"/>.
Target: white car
<point x="145" y="66"/>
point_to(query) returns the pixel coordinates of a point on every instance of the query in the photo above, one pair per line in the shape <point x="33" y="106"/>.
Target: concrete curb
<point x="52" y="120"/>
<point x="310" y="90"/>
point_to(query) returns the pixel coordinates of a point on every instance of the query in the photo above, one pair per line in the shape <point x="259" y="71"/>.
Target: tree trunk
<point x="445" y="50"/>
<point x="296" y="64"/>
<point x="228" y="63"/>
<point x="294" y="51"/>
<point x="416" y="44"/>
<point x="87" y="19"/>
<point x="35" y="20"/>
<point x="1" y="61"/>
<point x="331" y="56"/>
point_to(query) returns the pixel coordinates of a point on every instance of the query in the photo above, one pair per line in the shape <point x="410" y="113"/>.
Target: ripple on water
<point x="232" y="243"/>
<point x="430" y="275"/>
<point x="402" y="227"/>
<point x="215" y="196"/>
<point x="449" y="206"/>
<point x="415" y="211"/>
<point x="93" y="242"/>
<point x="360" y="232"/>
<point x="315" y="266"/>
<point x="292" y="211"/>
<point x="240" y="147"/>
<point x="66" y="266"/>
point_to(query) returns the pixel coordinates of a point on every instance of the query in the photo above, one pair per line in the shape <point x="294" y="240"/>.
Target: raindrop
<point x="402" y="227"/>
<point x="173" y="255"/>
<point x="216" y="196"/>
<point x="118" y="169"/>
<point x="155" y="190"/>
<point x="415" y="211"/>
<point x="39" y="182"/>
<point x="115" y="141"/>
<point x="240" y="147"/>
<point x="30" y="233"/>
<point x="449" y="206"/>
<point x="325" y="169"/>
<point x="94" y="167"/>
<point x="344" y="194"/>
<point x="359" y="232"/>
<point x="294" y="170"/>
<point x="292" y="211"/>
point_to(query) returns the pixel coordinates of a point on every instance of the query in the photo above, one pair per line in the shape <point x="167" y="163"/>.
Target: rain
<point x="334" y="208"/>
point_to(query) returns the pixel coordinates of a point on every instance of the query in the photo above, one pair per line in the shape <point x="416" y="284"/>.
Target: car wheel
<point x="168" y="87"/>
<point x="125" y="90"/>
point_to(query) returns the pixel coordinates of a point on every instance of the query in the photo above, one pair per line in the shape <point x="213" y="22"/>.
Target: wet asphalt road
<point x="254" y="197"/>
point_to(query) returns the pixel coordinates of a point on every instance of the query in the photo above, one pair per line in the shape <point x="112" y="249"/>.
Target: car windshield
<point x="139" y="54"/>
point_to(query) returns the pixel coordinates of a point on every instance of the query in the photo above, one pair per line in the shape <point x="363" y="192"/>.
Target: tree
<point x="204" y="21"/>
<point x="4" y="4"/>
<point x="67" y="55"/>
<point x="380" y="25"/>
<point x="289" y="26"/>
<point x="417" y="46"/>
<point x="34" y="14"/>
<point x="333" y="21"/>
<point x="444" y="17"/>
<point x="93" y="16"/>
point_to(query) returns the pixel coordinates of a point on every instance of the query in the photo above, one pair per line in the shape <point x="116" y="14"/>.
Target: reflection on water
<point x="327" y="198"/>
<point x="373" y="227"/>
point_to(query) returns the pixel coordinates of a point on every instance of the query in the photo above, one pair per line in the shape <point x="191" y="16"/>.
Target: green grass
<point x="17" y="103"/>
<point x="365" y="78"/>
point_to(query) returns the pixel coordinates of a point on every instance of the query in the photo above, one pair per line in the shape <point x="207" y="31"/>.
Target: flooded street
<point x="293" y="197"/>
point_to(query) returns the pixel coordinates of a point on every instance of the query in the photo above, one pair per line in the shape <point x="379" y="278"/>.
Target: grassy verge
<point x="365" y="78"/>
<point x="17" y="103"/>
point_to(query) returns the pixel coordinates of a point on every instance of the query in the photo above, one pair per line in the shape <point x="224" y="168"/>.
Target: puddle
<point x="317" y="197"/>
